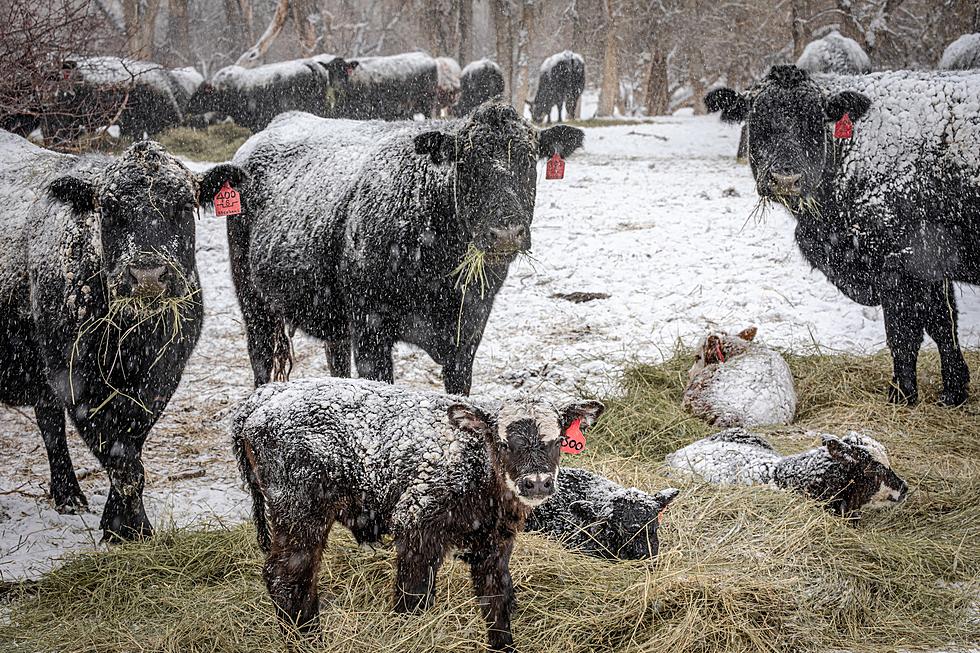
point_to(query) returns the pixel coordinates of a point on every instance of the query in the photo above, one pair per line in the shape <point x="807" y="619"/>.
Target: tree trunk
<point x="465" y="28"/>
<point x="505" y="43"/>
<point x="657" y="91"/>
<point x="239" y="21"/>
<point x="140" y="21"/>
<point x="609" y="90"/>
<point x="799" y="16"/>
<point x="524" y="40"/>
<point x="178" y="29"/>
<point x="302" y="11"/>
<point x="253" y="56"/>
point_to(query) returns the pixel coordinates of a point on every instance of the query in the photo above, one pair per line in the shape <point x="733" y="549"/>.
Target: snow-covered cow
<point x="593" y="515"/>
<point x="100" y="304"/>
<point x="849" y="474"/>
<point x="254" y="96"/>
<point x="834" y="54"/>
<point x="882" y="173"/>
<point x="447" y="90"/>
<point x="437" y="472"/>
<point x="355" y="233"/>
<point x="395" y="87"/>
<point x="560" y="83"/>
<point x="962" y="54"/>
<point x="481" y="81"/>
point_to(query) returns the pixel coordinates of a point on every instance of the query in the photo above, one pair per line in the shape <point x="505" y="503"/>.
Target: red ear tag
<point x="844" y="128"/>
<point x="660" y="517"/>
<point x="227" y="201"/>
<point x="556" y="167"/>
<point x="573" y="441"/>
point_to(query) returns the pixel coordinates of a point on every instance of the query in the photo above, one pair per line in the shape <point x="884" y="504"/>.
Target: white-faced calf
<point x="435" y="471"/>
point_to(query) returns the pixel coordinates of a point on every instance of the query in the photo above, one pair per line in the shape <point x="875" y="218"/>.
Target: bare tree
<point x="609" y="90"/>
<point x="178" y="32"/>
<point x="522" y="55"/>
<point x="464" y="26"/>
<point x="253" y="56"/>
<point x="140" y="17"/>
<point x="503" y="17"/>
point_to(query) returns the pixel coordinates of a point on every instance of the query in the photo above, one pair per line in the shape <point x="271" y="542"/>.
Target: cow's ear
<point x="748" y="334"/>
<point x="469" y="418"/>
<point x="560" y="139"/>
<point x="850" y="102"/>
<point x="209" y="183"/>
<point x="440" y="147"/>
<point x="838" y="449"/>
<point x="734" y="106"/>
<point x="81" y="195"/>
<point x="586" y="411"/>
<point x="664" y="497"/>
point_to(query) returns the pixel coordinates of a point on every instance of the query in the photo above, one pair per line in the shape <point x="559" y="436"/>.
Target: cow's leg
<point x="65" y="491"/>
<point x="419" y="557"/>
<point x="338" y="357"/>
<point x="490" y="572"/>
<point x="124" y="517"/>
<point x="940" y="322"/>
<point x="903" y="302"/>
<point x="457" y="372"/>
<point x="560" y="105"/>
<point x="372" y="354"/>
<point x="291" y="570"/>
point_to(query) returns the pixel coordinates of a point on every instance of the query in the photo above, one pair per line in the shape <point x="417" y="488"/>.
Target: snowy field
<point x="655" y="215"/>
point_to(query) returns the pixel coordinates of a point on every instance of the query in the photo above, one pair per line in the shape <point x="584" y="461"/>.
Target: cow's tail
<point x="248" y="468"/>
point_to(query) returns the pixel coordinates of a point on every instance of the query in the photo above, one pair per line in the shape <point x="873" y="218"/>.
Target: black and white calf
<point x="435" y="471"/>
<point x="560" y="83"/>
<point x="882" y="173"/>
<point x="97" y="271"/>
<point x="849" y="474"/>
<point x="593" y="515"/>
<point x="352" y="231"/>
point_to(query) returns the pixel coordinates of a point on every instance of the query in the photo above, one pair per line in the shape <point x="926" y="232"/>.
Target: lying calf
<point x="737" y="382"/>
<point x="591" y="514"/>
<point x="849" y="474"/>
<point x="433" y="471"/>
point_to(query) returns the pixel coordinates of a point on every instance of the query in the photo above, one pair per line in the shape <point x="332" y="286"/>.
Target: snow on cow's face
<point x="720" y="347"/>
<point x="526" y="438"/>
<point x="787" y="116"/>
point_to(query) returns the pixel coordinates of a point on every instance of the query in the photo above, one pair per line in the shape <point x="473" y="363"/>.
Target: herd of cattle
<point x="356" y="232"/>
<point x="151" y="98"/>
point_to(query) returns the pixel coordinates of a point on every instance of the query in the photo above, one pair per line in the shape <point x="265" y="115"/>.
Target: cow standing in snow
<point x="962" y="54"/>
<point x="882" y="173"/>
<point x="561" y="83"/>
<point x="395" y="87"/>
<point x="354" y="232"/>
<point x="481" y="81"/>
<point x="254" y="96"/>
<point x="101" y="304"/>
<point x="437" y="472"/>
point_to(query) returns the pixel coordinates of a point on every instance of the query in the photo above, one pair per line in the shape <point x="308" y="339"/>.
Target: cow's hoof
<point x="70" y="503"/>
<point x="117" y="534"/>
<point x="409" y="604"/>
<point x="896" y="396"/>
<point x="953" y="398"/>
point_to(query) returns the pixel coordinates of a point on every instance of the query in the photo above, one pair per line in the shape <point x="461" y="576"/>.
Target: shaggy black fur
<point x="481" y="81"/>
<point x="561" y="86"/>
<point x="366" y="258"/>
<point x="390" y="88"/>
<point x="901" y="251"/>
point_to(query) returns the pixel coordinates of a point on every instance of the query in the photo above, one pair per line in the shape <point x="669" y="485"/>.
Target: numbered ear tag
<point x="556" y="167"/>
<point x="227" y="201"/>
<point x="573" y="440"/>
<point x="844" y="128"/>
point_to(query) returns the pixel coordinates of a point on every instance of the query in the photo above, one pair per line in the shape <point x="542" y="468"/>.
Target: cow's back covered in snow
<point x="962" y="54"/>
<point x="480" y="81"/>
<point x="834" y="53"/>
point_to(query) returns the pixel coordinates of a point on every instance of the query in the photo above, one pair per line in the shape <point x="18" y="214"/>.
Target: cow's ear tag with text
<point x="573" y="440"/>
<point x="227" y="201"/>
<point x="556" y="167"/>
<point x="844" y="128"/>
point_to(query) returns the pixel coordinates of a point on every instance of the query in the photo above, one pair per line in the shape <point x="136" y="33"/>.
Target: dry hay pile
<point x="745" y="569"/>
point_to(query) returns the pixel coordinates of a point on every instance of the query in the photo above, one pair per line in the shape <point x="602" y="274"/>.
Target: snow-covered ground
<point x="653" y="214"/>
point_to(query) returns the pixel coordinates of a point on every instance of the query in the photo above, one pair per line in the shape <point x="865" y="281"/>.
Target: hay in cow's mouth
<point x="807" y="204"/>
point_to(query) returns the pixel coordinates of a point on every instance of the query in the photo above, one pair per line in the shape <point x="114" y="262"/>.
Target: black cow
<point x="101" y="304"/>
<point x="254" y="96"/>
<point x="481" y="81"/>
<point x="892" y="214"/>
<point x="353" y="232"/>
<point x="962" y="54"/>
<point x="561" y="83"/>
<point x="391" y="88"/>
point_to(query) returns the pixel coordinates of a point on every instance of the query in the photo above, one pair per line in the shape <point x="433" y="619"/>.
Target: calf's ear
<point x="210" y="182"/>
<point x="468" y="418"/>
<point x="664" y="497"/>
<point x="852" y="103"/>
<point x="734" y="106"/>
<point x="838" y="450"/>
<point x="439" y="146"/>
<point x="560" y="139"/>
<point x="748" y="334"/>
<point x="586" y="411"/>
<point x="79" y="194"/>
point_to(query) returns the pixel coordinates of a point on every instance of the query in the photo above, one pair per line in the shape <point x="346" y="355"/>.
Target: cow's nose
<point x="515" y="237"/>
<point x="537" y="486"/>
<point x="786" y="183"/>
<point x="148" y="280"/>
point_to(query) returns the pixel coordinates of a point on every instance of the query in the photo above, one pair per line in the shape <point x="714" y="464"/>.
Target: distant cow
<point x="254" y="96"/>
<point x="390" y="88"/>
<point x="354" y="232"/>
<point x="437" y="472"/>
<point x="100" y="304"/>
<point x="962" y="54"/>
<point x="447" y="90"/>
<point x="834" y="54"/>
<point x="882" y="175"/>
<point x="480" y="81"/>
<point x="561" y="83"/>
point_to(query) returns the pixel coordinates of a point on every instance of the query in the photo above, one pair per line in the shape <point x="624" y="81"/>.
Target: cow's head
<point x="339" y="70"/>
<point x="206" y="98"/>
<point x="145" y="204"/>
<point x="494" y="153"/>
<point x="526" y="440"/>
<point x="630" y="522"/>
<point x="859" y="475"/>
<point x="719" y="347"/>
<point x="788" y="119"/>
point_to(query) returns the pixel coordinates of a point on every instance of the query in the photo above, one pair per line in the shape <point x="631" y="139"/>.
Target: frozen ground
<point x="653" y="214"/>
